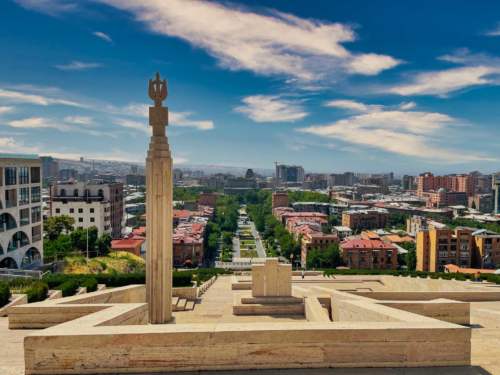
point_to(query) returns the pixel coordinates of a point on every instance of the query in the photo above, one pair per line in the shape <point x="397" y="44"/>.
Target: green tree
<point x="103" y="244"/>
<point x="410" y="258"/>
<point x="327" y="258"/>
<point x="79" y="240"/>
<point x="56" y="225"/>
<point x="57" y="249"/>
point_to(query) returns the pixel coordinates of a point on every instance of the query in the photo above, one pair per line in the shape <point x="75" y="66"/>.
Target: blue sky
<point x="402" y="86"/>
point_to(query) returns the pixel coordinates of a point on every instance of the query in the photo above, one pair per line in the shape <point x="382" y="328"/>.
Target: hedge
<point x="37" y="291"/>
<point x="180" y="278"/>
<point x="432" y="275"/>
<point x="90" y="283"/>
<point x="69" y="287"/>
<point x="4" y="294"/>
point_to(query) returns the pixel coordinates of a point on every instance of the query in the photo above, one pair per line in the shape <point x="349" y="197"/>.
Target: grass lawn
<point x="249" y="254"/>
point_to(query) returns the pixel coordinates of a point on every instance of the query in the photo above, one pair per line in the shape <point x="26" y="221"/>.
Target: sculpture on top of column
<point x="159" y="210"/>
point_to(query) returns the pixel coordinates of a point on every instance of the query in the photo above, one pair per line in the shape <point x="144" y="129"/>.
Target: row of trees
<point x="62" y="239"/>
<point x="223" y="226"/>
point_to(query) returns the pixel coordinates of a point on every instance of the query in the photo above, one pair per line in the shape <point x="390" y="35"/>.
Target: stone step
<point x="174" y="303"/>
<point x="269" y="309"/>
<point x="190" y="305"/>
<point x="271" y="300"/>
<point x="181" y="304"/>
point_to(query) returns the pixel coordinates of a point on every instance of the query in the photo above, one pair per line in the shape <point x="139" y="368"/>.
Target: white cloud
<point x="493" y="32"/>
<point x="9" y="144"/>
<point x="5" y="109"/>
<point x="446" y="81"/>
<point x="371" y="64"/>
<point x="76" y="65"/>
<point x="273" y="43"/>
<point x="131" y="124"/>
<point x="352" y="105"/>
<point x="408" y="133"/>
<point x="405" y="106"/>
<point x="46" y="123"/>
<point x="79" y="120"/>
<point x="103" y="36"/>
<point x="183" y="119"/>
<point x="271" y="108"/>
<point x="32" y="123"/>
<point x="20" y="96"/>
<point x="51" y="7"/>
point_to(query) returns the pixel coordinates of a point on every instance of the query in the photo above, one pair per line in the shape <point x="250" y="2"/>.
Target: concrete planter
<point x="16" y="299"/>
<point x="188" y="292"/>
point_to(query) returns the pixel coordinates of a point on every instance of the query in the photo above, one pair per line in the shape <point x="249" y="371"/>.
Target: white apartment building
<point x="21" y="225"/>
<point x="89" y="204"/>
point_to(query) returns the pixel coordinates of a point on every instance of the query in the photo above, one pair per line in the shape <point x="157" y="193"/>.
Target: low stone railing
<point x="203" y="288"/>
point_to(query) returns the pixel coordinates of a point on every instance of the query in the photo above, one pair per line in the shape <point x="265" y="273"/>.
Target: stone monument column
<point x="159" y="197"/>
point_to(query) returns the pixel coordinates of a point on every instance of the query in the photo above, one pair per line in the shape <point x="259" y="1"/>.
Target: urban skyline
<point x="325" y="87"/>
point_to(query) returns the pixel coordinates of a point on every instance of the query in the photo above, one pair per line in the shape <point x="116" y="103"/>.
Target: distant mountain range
<point x="122" y="168"/>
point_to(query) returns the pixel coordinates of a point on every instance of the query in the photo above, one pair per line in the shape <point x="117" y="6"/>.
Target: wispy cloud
<point x="6" y="109"/>
<point x="32" y="97"/>
<point x="475" y="70"/>
<point x="270" y="43"/>
<point x="131" y="124"/>
<point x="79" y="120"/>
<point x="494" y="31"/>
<point x="51" y="7"/>
<point x="47" y="123"/>
<point x="103" y="36"/>
<point x="352" y="105"/>
<point x="271" y="108"/>
<point x="78" y="65"/>
<point x="408" y="133"/>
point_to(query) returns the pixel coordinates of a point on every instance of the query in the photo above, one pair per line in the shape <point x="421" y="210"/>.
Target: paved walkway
<point x="258" y="242"/>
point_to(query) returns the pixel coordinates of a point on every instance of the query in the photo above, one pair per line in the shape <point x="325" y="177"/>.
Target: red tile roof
<point x="127" y="243"/>
<point x="358" y="243"/>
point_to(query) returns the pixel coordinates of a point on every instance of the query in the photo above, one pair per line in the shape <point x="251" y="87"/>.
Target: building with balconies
<point x="21" y="225"/>
<point x="89" y="204"/>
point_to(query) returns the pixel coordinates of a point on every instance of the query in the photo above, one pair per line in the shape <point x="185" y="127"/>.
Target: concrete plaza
<point x="215" y="306"/>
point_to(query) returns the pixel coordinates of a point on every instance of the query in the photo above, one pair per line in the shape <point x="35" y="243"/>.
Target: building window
<point x="35" y="194"/>
<point x="36" y="214"/>
<point x="80" y="210"/>
<point x="36" y="233"/>
<point x="24" y="196"/>
<point x="10" y="198"/>
<point x="92" y="220"/>
<point x="80" y="219"/>
<point x="91" y="210"/>
<point x="24" y="175"/>
<point x="35" y="175"/>
<point x="71" y="210"/>
<point x="75" y="193"/>
<point x="10" y="176"/>
<point x="58" y="210"/>
<point x="24" y="216"/>
<point x="62" y="193"/>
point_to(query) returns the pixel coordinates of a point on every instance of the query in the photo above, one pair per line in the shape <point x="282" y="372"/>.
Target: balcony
<point x="88" y="199"/>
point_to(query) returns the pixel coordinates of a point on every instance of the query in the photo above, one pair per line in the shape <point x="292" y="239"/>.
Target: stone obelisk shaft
<point x="159" y="218"/>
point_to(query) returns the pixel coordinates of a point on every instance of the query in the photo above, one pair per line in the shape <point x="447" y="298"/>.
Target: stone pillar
<point x="159" y="198"/>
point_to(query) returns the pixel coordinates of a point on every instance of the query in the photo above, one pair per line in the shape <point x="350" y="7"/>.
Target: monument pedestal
<point x="271" y="292"/>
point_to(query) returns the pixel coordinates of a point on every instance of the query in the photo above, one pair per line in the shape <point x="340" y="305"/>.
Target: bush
<point x="68" y="287"/>
<point x="37" y="291"/>
<point x="4" y="294"/>
<point x="90" y="283"/>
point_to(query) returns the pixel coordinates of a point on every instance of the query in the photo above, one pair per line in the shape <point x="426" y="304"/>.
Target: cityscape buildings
<point x="21" y="226"/>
